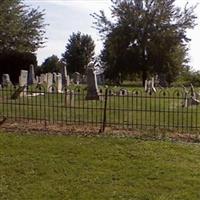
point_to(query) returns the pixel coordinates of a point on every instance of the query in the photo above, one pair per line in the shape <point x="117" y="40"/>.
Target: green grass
<point x="138" y="110"/>
<point x="60" y="167"/>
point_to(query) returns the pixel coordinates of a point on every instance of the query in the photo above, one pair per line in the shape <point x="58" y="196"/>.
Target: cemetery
<point x="56" y="98"/>
<point x="99" y="100"/>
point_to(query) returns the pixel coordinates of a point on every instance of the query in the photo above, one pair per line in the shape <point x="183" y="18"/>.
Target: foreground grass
<point x="58" y="167"/>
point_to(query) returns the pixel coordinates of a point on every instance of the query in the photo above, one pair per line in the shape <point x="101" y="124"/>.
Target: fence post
<point x="102" y="129"/>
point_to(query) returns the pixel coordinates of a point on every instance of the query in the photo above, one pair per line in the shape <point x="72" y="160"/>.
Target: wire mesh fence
<point x="117" y="108"/>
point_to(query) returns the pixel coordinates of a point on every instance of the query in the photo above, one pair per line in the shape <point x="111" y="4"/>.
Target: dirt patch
<point x="29" y="127"/>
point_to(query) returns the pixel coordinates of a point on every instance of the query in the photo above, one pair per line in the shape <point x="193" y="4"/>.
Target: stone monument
<point x="6" y="80"/>
<point x="92" y="87"/>
<point x="31" y="75"/>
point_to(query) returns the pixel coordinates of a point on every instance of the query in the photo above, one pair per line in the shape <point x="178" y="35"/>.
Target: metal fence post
<point x="102" y="129"/>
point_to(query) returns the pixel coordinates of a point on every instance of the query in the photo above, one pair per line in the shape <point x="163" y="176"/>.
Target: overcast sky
<point x="67" y="16"/>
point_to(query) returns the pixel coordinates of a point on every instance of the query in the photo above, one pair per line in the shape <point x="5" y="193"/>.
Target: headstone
<point x="76" y="78"/>
<point x="68" y="80"/>
<point x="31" y="75"/>
<point x="49" y="82"/>
<point x="146" y="86"/>
<point x="190" y="98"/>
<point x="162" y="80"/>
<point x="6" y="80"/>
<point x="65" y="81"/>
<point x="23" y="81"/>
<point x="100" y="79"/>
<point x="43" y="79"/>
<point x="37" y="79"/>
<point x="59" y="83"/>
<point x="152" y="85"/>
<point x="23" y="78"/>
<point x="92" y="88"/>
<point x="149" y="86"/>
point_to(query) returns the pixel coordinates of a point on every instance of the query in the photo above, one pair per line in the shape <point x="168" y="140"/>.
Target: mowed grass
<point x="69" y="167"/>
<point x="135" y="110"/>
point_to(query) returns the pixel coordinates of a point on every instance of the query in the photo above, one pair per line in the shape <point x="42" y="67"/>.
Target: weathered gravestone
<point x="6" y="80"/>
<point x="23" y="78"/>
<point x="43" y="79"/>
<point x="22" y="89"/>
<point x="59" y="83"/>
<point x="31" y="75"/>
<point x="65" y="77"/>
<point x="76" y="78"/>
<point x="49" y="82"/>
<point x="149" y="86"/>
<point x="162" y="80"/>
<point x="92" y="87"/>
<point x="190" y="97"/>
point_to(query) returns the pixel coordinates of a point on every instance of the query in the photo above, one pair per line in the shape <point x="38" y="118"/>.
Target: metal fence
<point x="117" y="108"/>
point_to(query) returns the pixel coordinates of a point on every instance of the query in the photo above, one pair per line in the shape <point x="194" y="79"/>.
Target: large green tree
<point x="145" y="36"/>
<point x="21" y="28"/>
<point x="79" y="52"/>
<point x="51" y="64"/>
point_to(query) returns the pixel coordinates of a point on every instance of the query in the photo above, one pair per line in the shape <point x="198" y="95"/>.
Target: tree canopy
<point x="21" y="28"/>
<point x="51" y="64"/>
<point x="79" y="52"/>
<point x="146" y="37"/>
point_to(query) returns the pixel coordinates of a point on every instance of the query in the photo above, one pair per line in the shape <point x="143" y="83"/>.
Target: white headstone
<point x="23" y="78"/>
<point x="49" y="82"/>
<point x="6" y="80"/>
<point x="59" y="83"/>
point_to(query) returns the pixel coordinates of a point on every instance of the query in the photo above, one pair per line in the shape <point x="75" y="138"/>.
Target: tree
<point x="146" y="37"/>
<point x="12" y="62"/>
<point x="51" y="64"/>
<point x="79" y="52"/>
<point x="21" y="27"/>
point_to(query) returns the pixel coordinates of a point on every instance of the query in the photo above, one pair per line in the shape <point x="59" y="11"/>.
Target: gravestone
<point x="31" y="75"/>
<point x="149" y="86"/>
<point x="92" y="88"/>
<point x="76" y="78"/>
<point x="23" y="78"/>
<point x="68" y="80"/>
<point x="37" y="79"/>
<point x="146" y="86"/>
<point x="65" y="77"/>
<point x="162" y="80"/>
<point x="153" y="89"/>
<point x="43" y="79"/>
<point x="23" y="81"/>
<point x="59" y="83"/>
<point x="6" y="80"/>
<point x="49" y="82"/>
<point x="190" y="98"/>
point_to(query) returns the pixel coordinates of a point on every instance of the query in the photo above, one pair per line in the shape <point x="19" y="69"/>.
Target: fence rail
<point x="118" y="108"/>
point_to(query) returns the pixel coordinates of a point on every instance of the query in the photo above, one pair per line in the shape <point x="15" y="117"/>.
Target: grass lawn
<point x="68" y="167"/>
<point x="137" y="110"/>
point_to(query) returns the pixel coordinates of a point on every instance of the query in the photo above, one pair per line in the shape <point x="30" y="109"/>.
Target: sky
<point x="67" y="16"/>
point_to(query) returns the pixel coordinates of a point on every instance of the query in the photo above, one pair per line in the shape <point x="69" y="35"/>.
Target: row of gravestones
<point x="157" y="81"/>
<point x="60" y="80"/>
